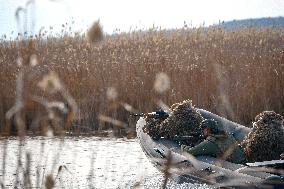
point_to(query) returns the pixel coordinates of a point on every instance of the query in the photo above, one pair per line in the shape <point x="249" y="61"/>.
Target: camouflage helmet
<point x="212" y="125"/>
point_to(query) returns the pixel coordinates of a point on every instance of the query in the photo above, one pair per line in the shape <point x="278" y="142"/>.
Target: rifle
<point x="160" y="114"/>
<point x="191" y="136"/>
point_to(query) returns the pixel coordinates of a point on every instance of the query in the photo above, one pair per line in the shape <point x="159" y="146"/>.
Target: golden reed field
<point x="95" y="84"/>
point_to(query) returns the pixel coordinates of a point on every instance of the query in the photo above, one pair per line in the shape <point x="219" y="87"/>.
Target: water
<point x="81" y="162"/>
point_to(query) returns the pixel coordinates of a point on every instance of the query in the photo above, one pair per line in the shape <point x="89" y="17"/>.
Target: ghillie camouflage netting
<point x="183" y="121"/>
<point x="266" y="140"/>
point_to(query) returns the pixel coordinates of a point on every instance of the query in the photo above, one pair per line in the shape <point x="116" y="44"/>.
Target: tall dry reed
<point x="235" y="74"/>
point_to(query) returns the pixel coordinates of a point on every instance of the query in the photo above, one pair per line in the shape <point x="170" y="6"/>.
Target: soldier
<point x="217" y="143"/>
<point x="265" y="142"/>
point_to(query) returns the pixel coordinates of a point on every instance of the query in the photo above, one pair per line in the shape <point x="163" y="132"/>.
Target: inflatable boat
<point x="166" y="156"/>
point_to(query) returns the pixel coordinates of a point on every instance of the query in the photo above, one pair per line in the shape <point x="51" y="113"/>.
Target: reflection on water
<point x="81" y="162"/>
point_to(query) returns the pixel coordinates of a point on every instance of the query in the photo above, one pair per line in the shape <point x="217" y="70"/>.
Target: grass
<point x="236" y="74"/>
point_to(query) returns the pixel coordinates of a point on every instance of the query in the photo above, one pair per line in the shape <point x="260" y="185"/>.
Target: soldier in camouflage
<point x="217" y="143"/>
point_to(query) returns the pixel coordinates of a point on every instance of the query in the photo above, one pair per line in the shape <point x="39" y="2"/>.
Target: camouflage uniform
<point x="265" y="141"/>
<point x="218" y="144"/>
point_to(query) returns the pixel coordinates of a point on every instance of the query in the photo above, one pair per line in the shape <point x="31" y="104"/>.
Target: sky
<point x="127" y="15"/>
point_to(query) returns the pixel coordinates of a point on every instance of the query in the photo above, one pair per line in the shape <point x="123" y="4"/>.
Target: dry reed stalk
<point x="95" y="32"/>
<point x="49" y="182"/>
<point x="251" y="62"/>
<point x="166" y="171"/>
<point x="5" y="143"/>
<point x="27" y="174"/>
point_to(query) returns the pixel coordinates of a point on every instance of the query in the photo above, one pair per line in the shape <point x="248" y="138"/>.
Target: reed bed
<point x="235" y="74"/>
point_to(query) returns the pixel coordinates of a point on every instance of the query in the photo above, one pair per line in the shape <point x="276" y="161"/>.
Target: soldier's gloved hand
<point x="183" y="147"/>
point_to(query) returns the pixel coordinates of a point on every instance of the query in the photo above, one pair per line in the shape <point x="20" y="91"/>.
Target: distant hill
<point x="274" y="22"/>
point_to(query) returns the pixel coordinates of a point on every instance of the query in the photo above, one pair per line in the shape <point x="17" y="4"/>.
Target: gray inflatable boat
<point x="166" y="155"/>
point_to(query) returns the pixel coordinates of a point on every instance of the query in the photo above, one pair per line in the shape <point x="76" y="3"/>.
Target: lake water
<point x="80" y="162"/>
